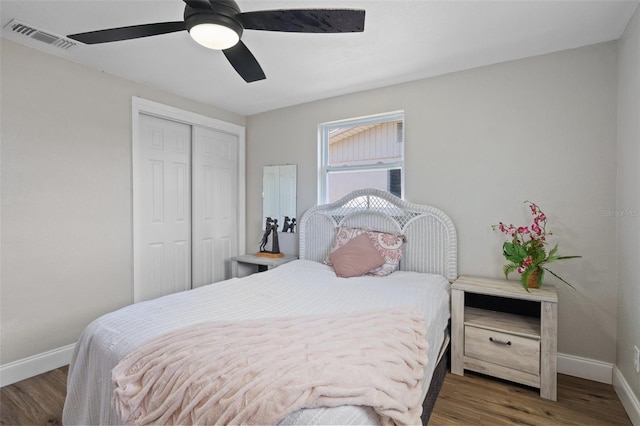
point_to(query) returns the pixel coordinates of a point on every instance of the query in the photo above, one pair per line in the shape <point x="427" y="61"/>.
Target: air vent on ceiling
<point x="44" y="36"/>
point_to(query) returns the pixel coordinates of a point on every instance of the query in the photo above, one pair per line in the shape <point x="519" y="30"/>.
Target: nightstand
<point x="258" y="263"/>
<point x="503" y="343"/>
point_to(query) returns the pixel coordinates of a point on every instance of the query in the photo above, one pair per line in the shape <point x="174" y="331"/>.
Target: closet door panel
<point x="215" y="204"/>
<point x="163" y="195"/>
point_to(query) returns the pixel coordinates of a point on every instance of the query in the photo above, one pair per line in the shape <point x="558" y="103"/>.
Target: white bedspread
<point x="297" y="288"/>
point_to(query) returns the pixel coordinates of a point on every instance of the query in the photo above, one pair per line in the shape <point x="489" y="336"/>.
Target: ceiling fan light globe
<point x="214" y="36"/>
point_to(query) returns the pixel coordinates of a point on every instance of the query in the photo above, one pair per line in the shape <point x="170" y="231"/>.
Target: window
<point x="366" y="152"/>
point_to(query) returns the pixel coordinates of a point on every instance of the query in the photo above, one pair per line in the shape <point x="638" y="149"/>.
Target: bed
<point x="302" y="289"/>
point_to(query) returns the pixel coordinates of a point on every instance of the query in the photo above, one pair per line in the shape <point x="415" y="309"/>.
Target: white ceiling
<point x="402" y="41"/>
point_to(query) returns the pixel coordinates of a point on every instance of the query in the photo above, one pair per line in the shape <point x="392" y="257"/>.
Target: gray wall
<point x="66" y="196"/>
<point x="628" y="202"/>
<point x="478" y="144"/>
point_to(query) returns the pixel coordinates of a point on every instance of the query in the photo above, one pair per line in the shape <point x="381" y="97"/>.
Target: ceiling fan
<point x="218" y="24"/>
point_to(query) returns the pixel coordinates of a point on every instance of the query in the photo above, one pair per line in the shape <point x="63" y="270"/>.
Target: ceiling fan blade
<point x="244" y="62"/>
<point x="127" y="33"/>
<point x="198" y="4"/>
<point x="305" y="20"/>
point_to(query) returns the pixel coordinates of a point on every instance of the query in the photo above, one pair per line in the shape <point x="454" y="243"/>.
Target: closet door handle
<point x="500" y="342"/>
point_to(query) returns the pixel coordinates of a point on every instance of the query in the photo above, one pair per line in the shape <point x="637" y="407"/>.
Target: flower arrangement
<point x="526" y="251"/>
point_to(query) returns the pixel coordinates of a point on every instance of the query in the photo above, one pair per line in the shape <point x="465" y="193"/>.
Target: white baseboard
<point x="585" y="368"/>
<point x="628" y="399"/>
<point x="34" y="365"/>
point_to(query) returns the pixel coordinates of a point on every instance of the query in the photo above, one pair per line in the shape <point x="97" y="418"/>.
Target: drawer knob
<point x="500" y="342"/>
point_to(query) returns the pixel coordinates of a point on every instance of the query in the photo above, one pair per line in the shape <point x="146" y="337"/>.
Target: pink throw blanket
<point x="258" y="371"/>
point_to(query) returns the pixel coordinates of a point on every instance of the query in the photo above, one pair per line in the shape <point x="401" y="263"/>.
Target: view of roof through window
<point x="378" y="142"/>
<point x="363" y="153"/>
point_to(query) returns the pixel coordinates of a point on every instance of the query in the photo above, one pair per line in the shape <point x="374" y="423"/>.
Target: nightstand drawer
<point x="507" y="350"/>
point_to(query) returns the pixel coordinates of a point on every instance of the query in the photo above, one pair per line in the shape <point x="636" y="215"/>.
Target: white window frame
<point x="323" y="151"/>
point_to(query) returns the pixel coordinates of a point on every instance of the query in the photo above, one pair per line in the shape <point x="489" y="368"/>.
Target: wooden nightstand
<point x="259" y="263"/>
<point x="510" y="346"/>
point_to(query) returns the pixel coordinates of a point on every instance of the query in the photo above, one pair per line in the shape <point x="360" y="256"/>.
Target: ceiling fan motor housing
<point x="221" y="13"/>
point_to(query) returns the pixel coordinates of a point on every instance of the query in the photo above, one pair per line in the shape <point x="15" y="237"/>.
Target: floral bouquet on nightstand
<point x="526" y="251"/>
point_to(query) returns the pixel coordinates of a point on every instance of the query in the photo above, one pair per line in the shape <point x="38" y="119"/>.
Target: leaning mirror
<point x="279" y="196"/>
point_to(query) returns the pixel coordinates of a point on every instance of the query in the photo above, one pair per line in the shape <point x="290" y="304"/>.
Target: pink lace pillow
<point x="356" y="257"/>
<point x="388" y="245"/>
<point x="390" y="248"/>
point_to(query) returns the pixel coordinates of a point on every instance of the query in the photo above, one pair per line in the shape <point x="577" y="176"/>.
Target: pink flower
<point x="536" y="229"/>
<point x="534" y="208"/>
<point x="523" y="230"/>
<point x="541" y="217"/>
<point x="525" y="264"/>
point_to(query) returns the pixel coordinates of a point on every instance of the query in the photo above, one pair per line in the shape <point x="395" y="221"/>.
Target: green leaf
<point x="520" y="251"/>
<point x="509" y="268"/>
<point x="525" y="277"/>
<point x="558" y="277"/>
<point x="511" y="253"/>
<point x="508" y="249"/>
<point x="553" y="257"/>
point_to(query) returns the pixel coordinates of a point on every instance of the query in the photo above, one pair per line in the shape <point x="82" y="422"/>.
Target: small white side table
<point x="512" y="347"/>
<point x="258" y="262"/>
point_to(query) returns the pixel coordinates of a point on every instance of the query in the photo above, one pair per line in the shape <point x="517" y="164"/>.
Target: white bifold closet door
<point x="187" y="206"/>
<point x="215" y="201"/>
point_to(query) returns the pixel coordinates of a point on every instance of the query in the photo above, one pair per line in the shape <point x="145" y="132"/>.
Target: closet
<point x="186" y="204"/>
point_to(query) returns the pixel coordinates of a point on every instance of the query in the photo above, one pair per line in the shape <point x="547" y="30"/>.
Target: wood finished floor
<point x="474" y="399"/>
<point x="35" y="401"/>
<point x="468" y="400"/>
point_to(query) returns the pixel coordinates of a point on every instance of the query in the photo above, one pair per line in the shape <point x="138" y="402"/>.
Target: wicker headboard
<point x="431" y="236"/>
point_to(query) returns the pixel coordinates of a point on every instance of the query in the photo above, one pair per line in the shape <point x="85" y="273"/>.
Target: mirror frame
<point x="279" y="193"/>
